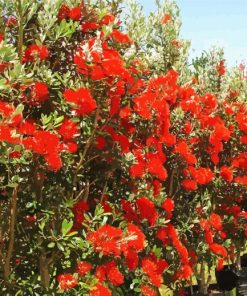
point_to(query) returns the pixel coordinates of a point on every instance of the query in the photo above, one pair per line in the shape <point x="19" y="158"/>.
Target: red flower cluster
<point x="100" y="290"/>
<point x="35" y="52"/>
<point x="67" y="281"/>
<point x="66" y="13"/>
<point x="81" y="99"/>
<point x="83" y="267"/>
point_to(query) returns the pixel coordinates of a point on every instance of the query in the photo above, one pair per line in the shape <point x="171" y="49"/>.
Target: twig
<point x="20" y="31"/>
<point x="88" y="144"/>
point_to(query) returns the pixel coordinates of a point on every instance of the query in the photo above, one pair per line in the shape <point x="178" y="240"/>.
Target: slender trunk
<point x="44" y="271"/>
<point x="203" y="287"/>
<point x="20" y="31"/>
<point x="7" y="259"/>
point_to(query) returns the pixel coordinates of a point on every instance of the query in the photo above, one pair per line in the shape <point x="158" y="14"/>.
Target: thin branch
<point x="10" y="249"/>
<point x="87" y="146"/>
<point x="20" y="31"/>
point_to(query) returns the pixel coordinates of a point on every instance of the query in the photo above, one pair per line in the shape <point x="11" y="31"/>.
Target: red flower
<point x="100" y="290"/>
<point x="1" y="37"/>
<point x="100" y="142"/>
<point x="166" y="18"/>
<point x="11" y="22"/>
<point x="147" y="291"/>
<point x="185" y="272"/>
<point x="106" y="240"/>
<point x="137" y="170"/>
<point x="218" y="249"/>
<point x="47" y="144"/>
<point x="36" y="52"/>
<point x="88" y="26"/>
<point x="63" y="12"/>
<point x="67" y="281"/>
<point x="147" y="210"/>
<point x="107" y="19"/>
<point x="221" y="68"/>
<point x="226" y="173"/>
<point x="168" y="205"/>
<point x="120" y="37"/>
<point x="216" y="221"/>
<point x="241" y="180"/>
<point x="100" y="273"/>
<point x="150" y="268"/>
<point x="202" y="175"/>
<point x="82" y="98"/>
<point x="209" y="237"/>
<point x="131" y="259"/>
<point x="83" y="267"/>
<point x="189" y="185"/>
<point x="75" y="13"/>
<point x="39" y="93"/>
<point x="156" y="187"/>
<point x="134" y="238"/>
<point x="220" y="264"/>
<point x="155" y="167"/>
<point x="113" y="274"/>
<point x="68" y="130"/>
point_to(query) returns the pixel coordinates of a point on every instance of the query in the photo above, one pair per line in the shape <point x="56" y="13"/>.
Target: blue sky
<point x="213" y="22"/>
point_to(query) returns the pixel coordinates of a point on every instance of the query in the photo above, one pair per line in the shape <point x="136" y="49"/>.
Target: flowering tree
<point x="120" y="171"/>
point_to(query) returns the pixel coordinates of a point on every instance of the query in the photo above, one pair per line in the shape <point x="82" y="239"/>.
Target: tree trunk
<point x="44" y="271"/>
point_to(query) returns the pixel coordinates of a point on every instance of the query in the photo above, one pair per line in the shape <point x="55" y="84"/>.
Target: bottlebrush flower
<point x="156" y="187"/>
<point x="100" y="290"/>
<point x="63" y="12"/>
<point x="150" y="268"/>
<point x="215" y="221"/>
<point x="39" y="93"/>
<point x="120" y="37"/>
<point x="79" y="209"/>
<point x="202" y="175"/>
<point x="107" y="19"/>
<point x="189" y="185"/>
<point x="83" y="267"/>
<point x="134" y="238"/>
<point x="75" y="13"/>
<point x="82" y="99"/>
<point x="100" y="142"/>
<point x="147" y="291"/>
<point x="47" y="144"/>
<point x="185" y="272"/>
<point x="220" y="264"/>
<point x="68" y="129"/>
<point x="106" y="239"/>
<point x="35" y="52"/>
<point x="209" y="237"/>
<point x="168" y="205"/>
<point x="226" y="173"/>
<point x="67" y="281"/>
<point x="147" y="210"/>
<point x="166" y="18"/>
<point x="241" y="180"/>
<point x="113" y="274"/>
<point x="131" y="259"/>
<point x="218" y="249"/>
<point x="156" y="168"/>
<point x="1" y="37"/>
<point x="221" y="68"/>
<point x="11" y="22"/>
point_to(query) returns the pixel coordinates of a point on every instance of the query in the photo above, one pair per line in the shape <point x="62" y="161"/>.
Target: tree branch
<point x="10" y="249"/>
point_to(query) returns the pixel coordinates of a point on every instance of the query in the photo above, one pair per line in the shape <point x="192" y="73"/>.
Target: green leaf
<point x="60" y="247"/>
<point x="51" y="245"/>
<point x="66" y="226"/>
